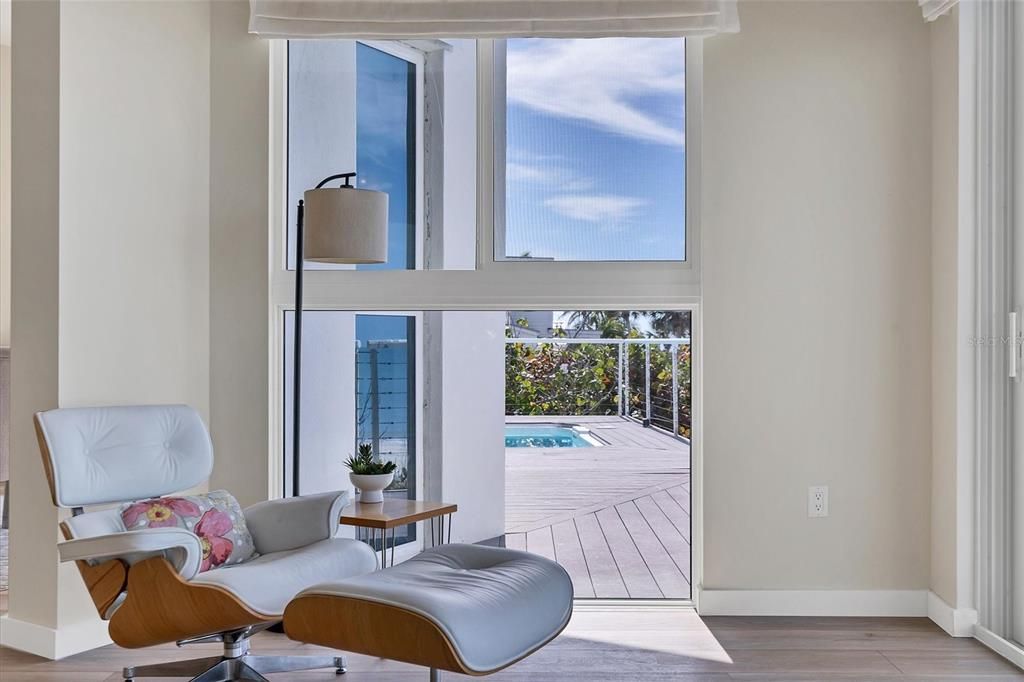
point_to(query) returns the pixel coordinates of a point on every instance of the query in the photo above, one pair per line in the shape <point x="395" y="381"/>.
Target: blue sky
<point x="596" y="149"/>
<point x="384" y="92"/>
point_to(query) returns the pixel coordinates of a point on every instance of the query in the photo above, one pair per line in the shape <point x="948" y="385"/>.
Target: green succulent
<point x="365" y="464"/>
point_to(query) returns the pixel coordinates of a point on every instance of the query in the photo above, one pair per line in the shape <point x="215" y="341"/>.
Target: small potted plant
<point x="369" y="474"/>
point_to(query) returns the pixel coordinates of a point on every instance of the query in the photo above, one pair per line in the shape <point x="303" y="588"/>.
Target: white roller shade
<point x="396" y="19"/>
<point x="933" y="9"/>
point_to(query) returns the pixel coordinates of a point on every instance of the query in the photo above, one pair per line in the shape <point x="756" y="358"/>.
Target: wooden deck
<point x="616" y="517"/>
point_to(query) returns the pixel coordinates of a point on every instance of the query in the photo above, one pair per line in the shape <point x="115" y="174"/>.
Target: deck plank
<point x="569" y="553"/>
<point x="670" y="538"/>
<point x="541" y="542"/>
<point x="670" y="579"/>
<point x="636" y="575"/>
<point x="516" y="541"/>
<point x="675" y="514"/>
<point x="605" y="575"/>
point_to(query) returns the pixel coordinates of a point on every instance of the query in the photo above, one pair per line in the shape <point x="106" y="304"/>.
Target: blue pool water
<point x="545" y="436"/>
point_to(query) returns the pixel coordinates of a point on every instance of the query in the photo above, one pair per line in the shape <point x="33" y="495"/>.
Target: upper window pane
<point x="353" y="107"/>
<point x="386" y="146"/>
<point x="594" y="150"/>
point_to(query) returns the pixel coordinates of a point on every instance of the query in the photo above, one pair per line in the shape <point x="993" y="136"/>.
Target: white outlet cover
<point x="817" y="501"/>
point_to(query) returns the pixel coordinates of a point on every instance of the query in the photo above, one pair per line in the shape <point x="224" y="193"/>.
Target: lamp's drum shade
<point x="345" y="225"/>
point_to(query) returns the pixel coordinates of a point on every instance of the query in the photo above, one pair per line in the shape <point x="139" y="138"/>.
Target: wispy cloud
<point x="553" y="177"/>
<point x="594" y="208"/>
<point x="601" y="82"/>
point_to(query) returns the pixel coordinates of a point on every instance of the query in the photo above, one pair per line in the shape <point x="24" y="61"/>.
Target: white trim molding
<point x="1004" y="647"/>
<point x="879" y="603"/>
<point x="956" y="622"/>
<point x="51" y="643"/>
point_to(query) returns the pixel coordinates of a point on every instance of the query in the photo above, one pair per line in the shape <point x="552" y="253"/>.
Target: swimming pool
<point x="548" y="436"/>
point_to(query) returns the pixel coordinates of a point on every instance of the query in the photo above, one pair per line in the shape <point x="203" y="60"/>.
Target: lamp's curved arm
<point x="339" y="176"/>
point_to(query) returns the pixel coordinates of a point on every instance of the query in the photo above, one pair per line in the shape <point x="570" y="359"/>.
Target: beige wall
<point x="134" y="203"/>
<point x="5" y="196"/>
<point x="239" y="255"/>
<point x="817" y="272"/>
<point x="36" y="584"/>
<point x="111" y="228"/>
<point x="5" y="173"/>
<point x="944" y="45"/>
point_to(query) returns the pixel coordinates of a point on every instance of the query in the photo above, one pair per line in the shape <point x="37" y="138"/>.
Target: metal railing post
<point x="647" y="381"/>
<point x="626" y="380"/>
<point x="374" y="403"/>
<point x="618" y="384"/>
<point x="675" y="389"/>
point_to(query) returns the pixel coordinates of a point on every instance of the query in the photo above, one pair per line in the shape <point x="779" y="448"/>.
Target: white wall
<point x="473" y="406"/>
<point x="817" y="269"/>
<point x="110" y="286"/>
<point x="460" y="156"/>
<point x="328" y="400"/>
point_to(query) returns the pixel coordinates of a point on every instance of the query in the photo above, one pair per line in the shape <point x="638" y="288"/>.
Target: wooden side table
<point x="371" y="519"/>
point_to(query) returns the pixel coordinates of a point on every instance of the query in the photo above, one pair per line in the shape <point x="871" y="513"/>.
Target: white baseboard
<point x="1005" y="648"/>
<point x="712" y="602"/>
<point x="956" y="622"/>
<point x="52" y="643"/>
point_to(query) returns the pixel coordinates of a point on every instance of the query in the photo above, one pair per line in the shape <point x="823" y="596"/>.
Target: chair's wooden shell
<point x="159" y="607"/>
<point x="373" y="629"/>
<point x="366" y="627"/>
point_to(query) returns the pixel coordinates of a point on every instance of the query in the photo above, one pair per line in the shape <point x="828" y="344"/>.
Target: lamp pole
<point x="297" y="338"/>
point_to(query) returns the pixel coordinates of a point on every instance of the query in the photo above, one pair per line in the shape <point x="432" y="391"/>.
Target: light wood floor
<point x="616" y="517"/>
<point x="638" y="644"/>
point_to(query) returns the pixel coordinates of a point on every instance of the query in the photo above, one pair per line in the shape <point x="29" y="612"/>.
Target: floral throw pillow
<point x="215" y="517"/>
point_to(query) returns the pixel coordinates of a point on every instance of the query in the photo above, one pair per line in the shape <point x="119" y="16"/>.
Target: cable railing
<point x="645" y="379"/>
<point x="383" y="399"/>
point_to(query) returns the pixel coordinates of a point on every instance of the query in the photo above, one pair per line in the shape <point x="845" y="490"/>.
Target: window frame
<point x="493" y="285"/>
<point x="490" y="174"/>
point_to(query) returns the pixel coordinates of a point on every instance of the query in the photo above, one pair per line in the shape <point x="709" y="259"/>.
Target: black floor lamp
<point x="335" y="225"/>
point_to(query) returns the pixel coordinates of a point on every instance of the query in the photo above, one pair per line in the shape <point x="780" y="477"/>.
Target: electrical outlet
<point x="817" y="501"/>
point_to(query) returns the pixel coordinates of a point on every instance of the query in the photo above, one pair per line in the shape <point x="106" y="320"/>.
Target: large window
<point x="529" y="175"/>
<point x="594" y="147"/>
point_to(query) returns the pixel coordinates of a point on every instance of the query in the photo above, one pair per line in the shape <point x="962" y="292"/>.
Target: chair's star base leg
<point x="236" y="669"/>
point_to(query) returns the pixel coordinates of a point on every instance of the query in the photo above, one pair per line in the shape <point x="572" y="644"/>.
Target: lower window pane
<point x="563" y="433"/>
<point x="358" y="386"/>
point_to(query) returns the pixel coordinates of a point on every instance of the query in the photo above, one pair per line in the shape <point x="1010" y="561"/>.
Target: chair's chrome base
<point x="220" y="669"/>
<point x="235" y="665"/>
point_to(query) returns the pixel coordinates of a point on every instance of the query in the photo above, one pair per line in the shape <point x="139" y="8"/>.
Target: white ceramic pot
<point x="371" y="487"/>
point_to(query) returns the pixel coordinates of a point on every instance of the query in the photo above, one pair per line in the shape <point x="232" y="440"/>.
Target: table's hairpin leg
<point x="393" y="531"/>
<point x="449" y="529"/>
